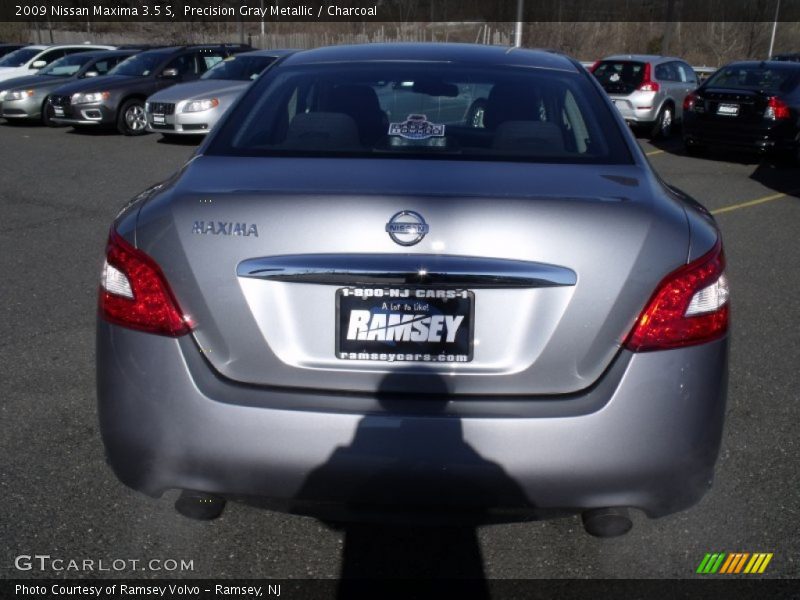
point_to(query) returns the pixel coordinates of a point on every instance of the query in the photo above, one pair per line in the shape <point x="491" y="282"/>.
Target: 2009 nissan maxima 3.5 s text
<point x="417" y="278"/>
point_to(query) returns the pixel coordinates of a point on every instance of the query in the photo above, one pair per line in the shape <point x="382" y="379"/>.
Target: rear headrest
<point x="529" y="137"/>
<point x="322" y="130"/>
<point x="354" y="100"/>
<point x="511" y="102"/>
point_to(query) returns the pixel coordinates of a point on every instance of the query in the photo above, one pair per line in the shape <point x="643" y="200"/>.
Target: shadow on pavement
<point x="90" y="130"/>
<point x="181" y="140"/>
<point x="406" y="464"/>
<point x="776" y="172"/>
<point x="781" y="177"/>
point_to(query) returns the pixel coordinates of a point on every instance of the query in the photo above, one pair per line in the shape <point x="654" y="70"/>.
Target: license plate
<point x="728" y="110"/>
<point x="58" y="111"/>
<point x="404" y="324"/>
<point x="158" y="119"/>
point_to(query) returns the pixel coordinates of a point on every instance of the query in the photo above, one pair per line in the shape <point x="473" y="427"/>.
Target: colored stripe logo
<point x="734" y="563"/>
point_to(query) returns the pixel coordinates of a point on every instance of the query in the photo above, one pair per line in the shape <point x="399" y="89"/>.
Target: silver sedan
<point x="193" y="108"/>
<point x="357" y="300"/>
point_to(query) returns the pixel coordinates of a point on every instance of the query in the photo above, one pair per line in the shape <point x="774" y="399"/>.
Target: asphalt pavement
<point x="60" y="190"/>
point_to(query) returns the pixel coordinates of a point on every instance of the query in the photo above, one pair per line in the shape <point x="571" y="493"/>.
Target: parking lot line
<point x="654" y="152"/>
<point x="751" y="203"/>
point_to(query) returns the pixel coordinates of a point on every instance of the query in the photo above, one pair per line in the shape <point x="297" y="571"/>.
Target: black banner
<point x="489" y="11"/>
<point x="294" y="589"/>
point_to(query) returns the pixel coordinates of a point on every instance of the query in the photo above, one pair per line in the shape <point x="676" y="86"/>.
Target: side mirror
<point x="169" y="73"/>
<point x="38" y="64"/>
<point x="91" y="74"/>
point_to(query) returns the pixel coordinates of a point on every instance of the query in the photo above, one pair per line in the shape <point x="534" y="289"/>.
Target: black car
<point x="7" y="48"/>
<point x="748" y="105"/>
<point x="791" y="56"/>
<point x="118" y="99"/>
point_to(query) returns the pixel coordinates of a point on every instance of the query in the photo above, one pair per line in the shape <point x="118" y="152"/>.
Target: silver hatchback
<point x="356" y="298"/>
<point x="647" y="90"/>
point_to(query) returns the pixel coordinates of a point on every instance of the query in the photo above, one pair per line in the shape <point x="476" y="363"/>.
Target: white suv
<point x="28" y="60"/>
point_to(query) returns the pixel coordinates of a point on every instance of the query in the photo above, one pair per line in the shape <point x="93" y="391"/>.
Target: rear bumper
<point x="747" y="137"/>
<point x="637" y="109"/>
<point x="645" y="436"/>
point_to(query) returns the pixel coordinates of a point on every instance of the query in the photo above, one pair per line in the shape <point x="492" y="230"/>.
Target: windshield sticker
<point x="416" y="127"/>
<point x="614" y="77"/>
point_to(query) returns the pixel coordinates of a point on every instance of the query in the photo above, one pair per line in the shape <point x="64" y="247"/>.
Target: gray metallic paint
<point x="618" y="240"/>
<point x="646" y="436"/>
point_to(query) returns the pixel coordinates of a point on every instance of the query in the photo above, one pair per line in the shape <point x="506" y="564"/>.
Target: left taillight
<point x="690" y="306"/>
<point x="134" y="292"/>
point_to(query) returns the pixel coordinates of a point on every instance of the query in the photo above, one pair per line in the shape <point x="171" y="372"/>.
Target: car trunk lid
<point x="575" y="253"/>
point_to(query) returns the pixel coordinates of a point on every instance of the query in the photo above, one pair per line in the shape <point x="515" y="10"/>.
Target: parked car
<point x="28" y="60"/>
<point x="26" y="97"/>
<point x="747" y="105"/>
<point x="6" y="48"/>
<point x="118" y="99"/>
<point x="193" y="108"/>
<point x="790" y="56"/>
<point x="339" y="305"/>
<point x="648" y="90"/>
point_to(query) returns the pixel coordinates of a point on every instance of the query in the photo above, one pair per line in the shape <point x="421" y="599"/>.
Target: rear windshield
<point x="139" y="65"/>
<point x="620" y="76"/>
<point x="426" y="110"/>
<point x="758" y="77"/>
<point x="239" y="68"/>
<point x="19" y="57"/>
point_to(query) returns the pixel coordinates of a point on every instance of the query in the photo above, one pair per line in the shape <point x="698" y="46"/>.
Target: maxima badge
<point x="407" y="227"/>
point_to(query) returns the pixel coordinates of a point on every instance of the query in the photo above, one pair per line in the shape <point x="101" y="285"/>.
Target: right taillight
<point x="690" y="306"/>
<point x="777" y="109"/>
<point x="648" y="85"/>
<point x="134" y="292"/>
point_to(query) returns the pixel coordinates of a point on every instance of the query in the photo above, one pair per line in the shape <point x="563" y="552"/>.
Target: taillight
<point x="689" y="306"/>
<point x="134" y="292"/>
<point x="776" y="109"/>
<point x="688" y="102"/>
<point x="648" y="85"/>
<point x="593" y="68"/>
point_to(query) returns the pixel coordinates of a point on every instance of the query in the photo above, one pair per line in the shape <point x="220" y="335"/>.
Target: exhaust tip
<point x="606" y="522"/>
<point x="199" y="505"/>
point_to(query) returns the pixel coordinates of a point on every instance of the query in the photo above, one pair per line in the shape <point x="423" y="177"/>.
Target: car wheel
<point x="663" y="125"/>
<point x="131" y="119"/>
<point x="475" y="113"/>
<point x="48" y="114"/>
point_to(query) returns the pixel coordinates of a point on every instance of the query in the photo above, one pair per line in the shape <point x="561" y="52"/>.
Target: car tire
<point x="475" y="113"/>
<point x="131" y="119"/>
<point x="47" y="114"/>
<point x="665" y="123"/>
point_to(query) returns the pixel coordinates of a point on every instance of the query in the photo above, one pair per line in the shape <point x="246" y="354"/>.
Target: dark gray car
<point x="357" y="298"/>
